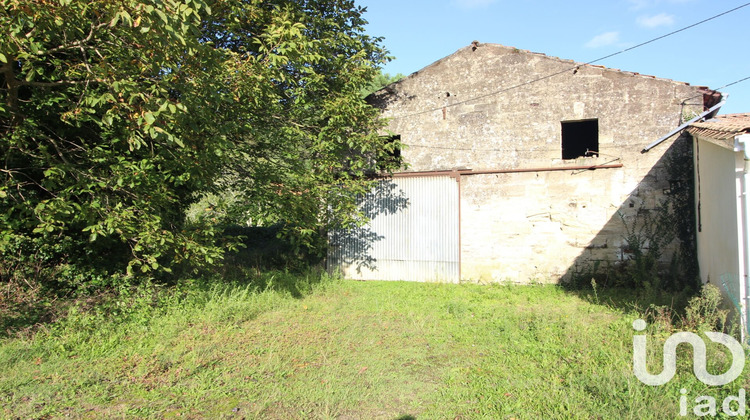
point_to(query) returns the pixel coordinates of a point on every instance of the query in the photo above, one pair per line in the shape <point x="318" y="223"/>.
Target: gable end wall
<point x="546" y="225"/>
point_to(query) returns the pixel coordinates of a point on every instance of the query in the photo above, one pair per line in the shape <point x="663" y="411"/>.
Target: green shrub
<point x="704" y="312"/>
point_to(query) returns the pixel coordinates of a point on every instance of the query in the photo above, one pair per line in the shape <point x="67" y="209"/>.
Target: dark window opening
<point x="394" y="152"/>
<point x="580" y="138"/>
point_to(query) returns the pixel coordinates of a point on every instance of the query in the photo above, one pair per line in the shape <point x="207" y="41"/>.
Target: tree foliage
<point x="380" y="81"/>
<point x="115" y="117"/>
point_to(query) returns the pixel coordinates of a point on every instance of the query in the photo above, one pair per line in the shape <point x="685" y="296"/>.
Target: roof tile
<point x="722" y="126"/>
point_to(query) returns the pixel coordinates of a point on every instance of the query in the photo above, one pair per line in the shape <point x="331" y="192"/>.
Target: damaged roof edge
<point x="708" y="113"/>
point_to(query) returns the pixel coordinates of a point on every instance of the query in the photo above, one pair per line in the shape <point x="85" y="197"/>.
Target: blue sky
<point x="713" y="54"/>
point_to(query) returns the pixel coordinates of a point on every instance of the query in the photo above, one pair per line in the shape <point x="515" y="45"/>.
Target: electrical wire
<point x="471" y="149"/>
<point x="717" y="89"/>
<point x="579" y="65"/>
<point x="734" y="83"/>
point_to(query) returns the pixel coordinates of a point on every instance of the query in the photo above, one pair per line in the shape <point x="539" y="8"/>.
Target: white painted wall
<point x="719" y="214"/>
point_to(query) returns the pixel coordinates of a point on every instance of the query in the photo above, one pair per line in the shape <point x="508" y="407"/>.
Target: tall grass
<point x="309" y="345"/>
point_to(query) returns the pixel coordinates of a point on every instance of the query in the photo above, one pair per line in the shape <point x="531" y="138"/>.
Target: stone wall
<point x="477" y="110"/>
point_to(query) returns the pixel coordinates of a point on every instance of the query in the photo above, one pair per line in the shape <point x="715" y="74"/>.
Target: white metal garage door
<point x="413" y="233"/>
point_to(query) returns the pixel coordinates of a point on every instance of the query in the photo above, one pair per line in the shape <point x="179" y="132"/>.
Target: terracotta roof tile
<point x="722" y="126"/>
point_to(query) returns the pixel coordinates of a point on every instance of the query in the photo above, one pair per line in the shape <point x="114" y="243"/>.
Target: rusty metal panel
<point x="413" y="233"/>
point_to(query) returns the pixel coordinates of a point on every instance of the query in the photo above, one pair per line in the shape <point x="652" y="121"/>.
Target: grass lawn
<point x="347" y="350"/>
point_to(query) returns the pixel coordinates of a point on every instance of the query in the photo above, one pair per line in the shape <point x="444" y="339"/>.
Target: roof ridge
<point x="476" y="45"/>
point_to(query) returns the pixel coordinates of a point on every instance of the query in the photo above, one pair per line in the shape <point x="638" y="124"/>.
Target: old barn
<point x="521" y="167"/>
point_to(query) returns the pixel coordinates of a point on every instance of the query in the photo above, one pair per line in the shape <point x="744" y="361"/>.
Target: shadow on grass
<point x="296" y="283"/>
<point x="22" y="316"/>
<point x="266" y="263"/>
<point x="264" y="249"/>
<point x="24" y="308"/>
<point x="627" y="300"/>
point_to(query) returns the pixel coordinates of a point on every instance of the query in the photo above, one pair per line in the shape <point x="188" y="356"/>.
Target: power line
<point x="671" y="33"/>
<point x="579" y="65"/>
<point x="733" y="83"/>
<point x="479" y="150"/>
<point x="718" y="88"/>
<point x="471" y="149"/>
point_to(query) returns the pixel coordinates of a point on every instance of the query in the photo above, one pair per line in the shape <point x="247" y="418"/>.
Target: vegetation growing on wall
<point x="679" y="166"/>
<point x="651" y="233"/>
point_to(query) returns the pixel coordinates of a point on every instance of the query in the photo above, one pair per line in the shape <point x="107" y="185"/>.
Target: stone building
<point x="521" y="167"/>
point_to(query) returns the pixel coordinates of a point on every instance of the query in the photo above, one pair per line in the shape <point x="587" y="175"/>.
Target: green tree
<point x="380" y="81"/>
<point x="313" y="141"/>
<point x="117" y="116"/>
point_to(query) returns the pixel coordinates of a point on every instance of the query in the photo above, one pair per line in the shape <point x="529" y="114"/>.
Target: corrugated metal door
<point x="413" y="233"/>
